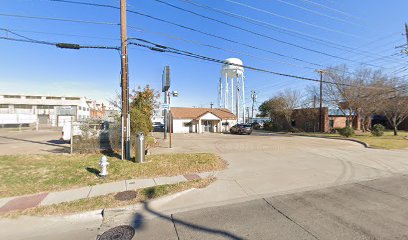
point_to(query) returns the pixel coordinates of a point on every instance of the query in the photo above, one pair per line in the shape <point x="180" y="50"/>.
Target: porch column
<point x="199" y="126"/>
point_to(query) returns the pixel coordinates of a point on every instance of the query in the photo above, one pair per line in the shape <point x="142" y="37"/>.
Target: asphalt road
<point x="375" y="209"/>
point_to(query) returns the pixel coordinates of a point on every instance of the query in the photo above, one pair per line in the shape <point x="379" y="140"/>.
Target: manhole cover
<point x="126" y="195"/>
<point x="124" y="232"/>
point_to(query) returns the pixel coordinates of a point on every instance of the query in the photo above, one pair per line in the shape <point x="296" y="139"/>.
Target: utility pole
<point x="321" y="127"/>
<point x="124" y="83"/>
<point x="253" y="97"/>
<point x="406" y="32"/>
<point x="406" y="36"/>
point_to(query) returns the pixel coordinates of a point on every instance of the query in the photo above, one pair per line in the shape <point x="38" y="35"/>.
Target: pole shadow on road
<point x="137" y="223"/>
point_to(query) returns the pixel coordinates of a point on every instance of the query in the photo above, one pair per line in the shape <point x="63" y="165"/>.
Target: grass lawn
<point x="27" y="174"/>
<point x="109" y="201"/>
<point x="387" y="141"/>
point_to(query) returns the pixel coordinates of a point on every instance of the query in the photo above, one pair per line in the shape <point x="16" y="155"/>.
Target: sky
<point x="286" y="36"/>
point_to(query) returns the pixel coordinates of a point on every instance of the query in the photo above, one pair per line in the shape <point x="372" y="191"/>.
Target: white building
<point x="201" y="120"/>
<point x="49" y="110"/>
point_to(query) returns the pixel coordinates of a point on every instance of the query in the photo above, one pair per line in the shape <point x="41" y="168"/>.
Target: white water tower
<point x="231" y="89"/>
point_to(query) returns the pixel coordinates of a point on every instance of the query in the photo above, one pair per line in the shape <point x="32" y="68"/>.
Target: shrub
<point x="270" y="126"/>
<point x="346" y="132"/>
<point x="378" y="130"/>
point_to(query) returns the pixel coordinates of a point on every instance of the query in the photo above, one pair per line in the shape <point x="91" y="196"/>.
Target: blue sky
<point x="372" y="26"/>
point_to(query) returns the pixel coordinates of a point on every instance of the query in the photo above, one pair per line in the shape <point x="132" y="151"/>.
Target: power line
<point x="57" y="19"/>
<point x="57" y="33"/>
<point x="27" y="41"/>
<point x="329" y="8"/>
<point x="315" y="12"/>
<point x="55" y="44"/>
<point x="260" y="34"/>
<point x="217" y="48"/>
<point x="166" y="49"/>
<point x="291" y="19"/>
<point x="280" y="29"/>
<point x="162" y="48"/>
<point x="192" y="29"/>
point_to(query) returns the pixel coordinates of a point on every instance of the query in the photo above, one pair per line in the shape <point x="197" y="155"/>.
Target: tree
<point x="143" y="102"/>
<point x="280" y="108"/>
<point x="394" y="103"/>
<point x="343" y="91"/>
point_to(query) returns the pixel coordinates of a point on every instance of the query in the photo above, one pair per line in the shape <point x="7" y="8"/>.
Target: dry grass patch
<point x="109" y="201"/>
<point x="387" y="141"/>
<point x="27" y="174"/>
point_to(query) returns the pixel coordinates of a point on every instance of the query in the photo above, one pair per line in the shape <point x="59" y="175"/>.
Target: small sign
<point x="166" y="106"/>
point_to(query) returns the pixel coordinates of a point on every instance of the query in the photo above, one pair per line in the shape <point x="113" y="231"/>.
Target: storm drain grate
<point x="126" y="195"/>
<point x="123" y="232"/>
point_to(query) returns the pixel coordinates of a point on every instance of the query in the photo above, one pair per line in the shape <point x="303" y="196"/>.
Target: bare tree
<point x="280" y="107"/>
<point x="290" y="100"/>
<point x="395" y="102"/>
<point x="343" y="91"/>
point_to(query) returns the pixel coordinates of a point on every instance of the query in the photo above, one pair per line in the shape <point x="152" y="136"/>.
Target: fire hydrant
<point x="104" y="165"/>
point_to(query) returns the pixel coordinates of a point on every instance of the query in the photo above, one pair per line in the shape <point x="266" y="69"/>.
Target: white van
<point x="66" y="131"/>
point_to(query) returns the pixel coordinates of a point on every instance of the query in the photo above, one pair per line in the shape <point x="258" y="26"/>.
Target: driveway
<point x="265" y="164"/>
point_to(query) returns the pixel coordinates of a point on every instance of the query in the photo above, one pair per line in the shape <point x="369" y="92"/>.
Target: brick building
<point x="307" y="119"/>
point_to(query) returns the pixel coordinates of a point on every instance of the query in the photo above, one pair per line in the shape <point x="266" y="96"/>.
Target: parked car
<point x="256" y="125"/>
<point x="241" y="129"/>
<point x="158" y="125"/>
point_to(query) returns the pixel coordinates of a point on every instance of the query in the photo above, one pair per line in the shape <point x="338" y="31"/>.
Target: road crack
<point x="290" y="219"/>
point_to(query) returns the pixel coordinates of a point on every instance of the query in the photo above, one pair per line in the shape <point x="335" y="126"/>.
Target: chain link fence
<point x="101" y="137"/>
<point x="96" y="137"/>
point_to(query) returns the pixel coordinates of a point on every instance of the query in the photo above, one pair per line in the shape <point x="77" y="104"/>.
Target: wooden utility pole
<point x="124" y="83"/>
<point x="406" y="36"/>
<point x="321" y="122"/>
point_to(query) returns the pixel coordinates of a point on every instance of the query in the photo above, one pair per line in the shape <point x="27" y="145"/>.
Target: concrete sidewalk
<point x="49" y="198"/>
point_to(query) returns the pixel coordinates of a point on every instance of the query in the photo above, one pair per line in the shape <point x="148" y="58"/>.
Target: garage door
<point x="43" y="118"/>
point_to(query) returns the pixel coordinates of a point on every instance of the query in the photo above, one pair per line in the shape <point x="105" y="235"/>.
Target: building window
<point x="331" y="123"/>
<point x="45" y="107"/>
<point x="4" y="106"/>
<point x="53" y="98"/>
<point x="33" y="97"/>
<point x="72" y="98"/>
<point x="23" y="106"/>
<point x="12" y="96"/>
<point x="293" y="123"/>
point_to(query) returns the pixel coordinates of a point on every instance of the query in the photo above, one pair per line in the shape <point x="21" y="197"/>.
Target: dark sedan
<point x="241" y="129"/>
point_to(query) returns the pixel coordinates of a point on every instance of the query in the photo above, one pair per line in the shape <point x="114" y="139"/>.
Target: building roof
<point x="194" y="113"/>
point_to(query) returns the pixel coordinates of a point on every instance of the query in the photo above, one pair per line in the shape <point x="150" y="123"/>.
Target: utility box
<point x="140" y="148"/>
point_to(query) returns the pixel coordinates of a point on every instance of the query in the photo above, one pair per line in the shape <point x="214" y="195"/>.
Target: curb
<point x="14" y="203"/>
<point x="366" y="145"/>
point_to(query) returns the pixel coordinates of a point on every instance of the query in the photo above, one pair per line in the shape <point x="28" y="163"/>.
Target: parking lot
<point x="13" y="141"/>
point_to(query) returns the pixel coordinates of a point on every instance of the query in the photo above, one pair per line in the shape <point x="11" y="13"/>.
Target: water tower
<point x="231" y="89"/>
